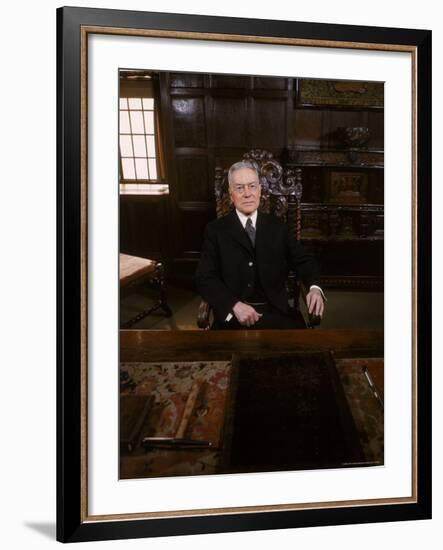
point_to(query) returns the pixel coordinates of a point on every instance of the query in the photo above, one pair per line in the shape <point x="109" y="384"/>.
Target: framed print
<point x="169" y="422"/>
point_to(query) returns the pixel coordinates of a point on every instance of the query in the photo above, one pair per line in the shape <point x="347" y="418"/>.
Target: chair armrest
<point x="313" y="320"/>
<point x="204" y="310"/>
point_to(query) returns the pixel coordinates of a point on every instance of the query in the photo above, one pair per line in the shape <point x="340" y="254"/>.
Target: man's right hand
<point x="246" y="314"/>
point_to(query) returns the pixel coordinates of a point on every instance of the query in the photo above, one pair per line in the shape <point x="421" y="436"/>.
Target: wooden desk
<point x="148" y="346"/>
<point x="196" y="345"/>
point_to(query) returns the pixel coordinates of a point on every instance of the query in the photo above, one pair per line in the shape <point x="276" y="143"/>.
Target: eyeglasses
<point x="240" y="189"/>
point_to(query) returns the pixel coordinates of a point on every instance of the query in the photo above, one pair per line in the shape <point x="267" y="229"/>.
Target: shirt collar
<point x="244" y="218"/>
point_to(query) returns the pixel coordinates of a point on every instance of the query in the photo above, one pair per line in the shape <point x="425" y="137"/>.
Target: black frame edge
<point x="247" y="26"/>
<point x="114" y="530"/>
<point x="68" y="276"/>
<point x="424" y="272"/>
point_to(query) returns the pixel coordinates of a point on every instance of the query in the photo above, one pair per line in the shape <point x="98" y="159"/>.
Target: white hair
<point x="243" y="164"/>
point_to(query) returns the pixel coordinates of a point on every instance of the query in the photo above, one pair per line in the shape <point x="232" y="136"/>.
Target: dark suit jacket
<point x="225" y="274"/>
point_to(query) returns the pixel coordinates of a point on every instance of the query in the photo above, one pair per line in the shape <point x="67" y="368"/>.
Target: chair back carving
<point x="281" y="190"/>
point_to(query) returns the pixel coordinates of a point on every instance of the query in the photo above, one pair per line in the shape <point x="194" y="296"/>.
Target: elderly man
<point x="245" y="260"/>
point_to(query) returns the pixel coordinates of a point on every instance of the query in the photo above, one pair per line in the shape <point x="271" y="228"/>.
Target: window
<point x="139" y="129"/>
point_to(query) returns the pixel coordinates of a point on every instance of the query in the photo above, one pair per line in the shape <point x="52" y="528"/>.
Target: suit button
<point x="249" y="285"/>
<point x="251" y="264"/>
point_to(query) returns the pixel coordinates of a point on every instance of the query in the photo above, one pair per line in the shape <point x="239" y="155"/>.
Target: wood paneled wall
<point x="211" y="120"/>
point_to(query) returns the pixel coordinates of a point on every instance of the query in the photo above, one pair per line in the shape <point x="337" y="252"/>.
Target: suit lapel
<point x="261" y="235"/>
<point x="238" y="232"/>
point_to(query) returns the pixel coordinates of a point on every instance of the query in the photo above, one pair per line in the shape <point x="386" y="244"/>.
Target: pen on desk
<point x="372" y="386"/>
<point x="179" y="441"/>
<point x="175" y="443"/>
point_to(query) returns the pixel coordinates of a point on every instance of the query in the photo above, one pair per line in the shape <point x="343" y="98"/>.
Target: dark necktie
<point x="250" y="231"/>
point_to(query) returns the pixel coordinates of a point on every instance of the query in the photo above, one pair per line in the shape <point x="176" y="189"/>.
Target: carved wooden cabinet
<point x="338" y="142"/>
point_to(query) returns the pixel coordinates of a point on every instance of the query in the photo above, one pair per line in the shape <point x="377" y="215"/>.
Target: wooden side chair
<point x="281" y="192"/>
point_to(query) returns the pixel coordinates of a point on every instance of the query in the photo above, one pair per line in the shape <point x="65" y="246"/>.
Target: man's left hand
<point x="314" y="301"/>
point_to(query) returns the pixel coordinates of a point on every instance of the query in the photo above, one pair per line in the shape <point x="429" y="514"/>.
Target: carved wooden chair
<point x="281" y="192"/>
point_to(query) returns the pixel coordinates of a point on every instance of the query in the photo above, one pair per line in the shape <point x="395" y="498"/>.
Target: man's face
<point x="244" y="190"/>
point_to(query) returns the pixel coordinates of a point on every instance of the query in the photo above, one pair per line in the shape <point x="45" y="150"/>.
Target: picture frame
<point x="74" y="213"/>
